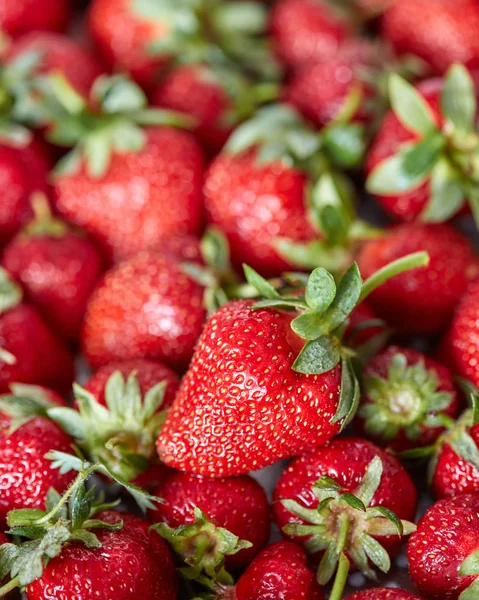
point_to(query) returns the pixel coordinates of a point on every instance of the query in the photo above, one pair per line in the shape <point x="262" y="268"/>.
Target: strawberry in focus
<point x="383" y="594"/>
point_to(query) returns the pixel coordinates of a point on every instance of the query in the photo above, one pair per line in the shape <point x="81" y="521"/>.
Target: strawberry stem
<point x="406" y="263"/>
<point x="341" y="578"/>
<point x="8" y="587"/>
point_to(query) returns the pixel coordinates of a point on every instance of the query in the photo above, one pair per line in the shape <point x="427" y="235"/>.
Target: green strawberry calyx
<point x="346" y="524"/>
<point x="278" y="134"/>
<point x="324" y="309"/>
<point x="68" y="518"/>
<point x="407" y="399"/>
<point x="470" y="568"/>
<point x="112" y="121"/>
<point x="11" y="294"/>
<point x="203" y="547"/>
<point x="445" y="154"/>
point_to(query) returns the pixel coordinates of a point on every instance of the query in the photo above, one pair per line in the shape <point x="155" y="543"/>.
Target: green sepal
<point x="458" y="100"/>
<point x="11" y="293"/>
<point x="410" y="107"/>
<point x="470" y="566"/>
<point x="344" y="143"/>
<point x="472" y="592"/>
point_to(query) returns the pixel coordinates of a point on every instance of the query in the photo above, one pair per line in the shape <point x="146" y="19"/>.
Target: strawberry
<point x="57" y="268"/>
<point x="80" y="548"/>
<point x="443" y="552"/>
<point x="148" y="373"/>
<point x="424" y="300"/>
<point x="128" y="186"/>
<point x="407" y="399"/>
<point x="185" y="248"/>
<point x="237" y="504"/>
<point x="30" y="352"/>
<point x="26" y="474"/>
<point x="232" y="413"/>
<point x="280" y="571"/>
<point x="58" y="53"/>
<point x="439" y="32"/>
<point x="419" y="165"/>
<point x="275" y="194"/>
<point x="22" y="16"/>
<point x="307" y="31"/>
<point x="348" y="500"/>
<point x="363" y="325"/>
<point x="383" y="594"/>
<point x="462" y="341"/>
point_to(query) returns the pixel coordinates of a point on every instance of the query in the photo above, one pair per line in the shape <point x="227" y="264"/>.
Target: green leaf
<point x="370" y="482"/>
<point x="10" y="293"/>
<point x="410" y="107"/>
<point x="447" y="194"/>
<point x="346" y="299"/>
<point x="265" y="289"/>
<point x="390" y="516"/>
<point x="308" y="326"/>
<point x="318" y="356"/>
<point x="353" y="501"/>
<point x="423" y="156"/>
<point x="458" y="99"/>
<point x="375" y="552"/>
<point x="8" y="555"/>
<point x="465" y="447"/>
<point x="327" y="483"/>
<point x="349" y="395"/>
<point x="215" y="249"/>
<point x="345" y="144"/>
<point x="144" y="500"/>
<point x="117" y="94"/>
<point x="320" y="290"/>
<point x="70" y="421"/>
<point x="98" y="153"/>
<point x="472" y="592"/>
<point x="80" y="506"/>
<point x="471" y="565"/>
<point x="87" y="538"/>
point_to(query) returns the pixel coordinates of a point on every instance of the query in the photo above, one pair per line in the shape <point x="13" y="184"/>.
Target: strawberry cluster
<point x="239" y="299"/>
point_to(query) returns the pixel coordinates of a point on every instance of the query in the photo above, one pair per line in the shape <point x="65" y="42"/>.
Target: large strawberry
<point x="383" y="594"/>
<point x="57" y="53"/>
<point x="407" y="399"/>
<point x="439" y="31"/>
<point x="422" y="164"/>
<point x="275" y="193"/>
<point x="29" y="351"/>
<point x="280" y="571"/>
<point x="462" y="340"/>
<point x="57" y="267"/>
<point x="237" y="504"/>
<point x="443" y="552"/>
<point x="127" y="185"/>
<point x="22" y="16"/>
<point x="349" y="501"/>
<point x="80" y="548"/>
<point x="266" y="382"/>
<point x="424" y="300"/>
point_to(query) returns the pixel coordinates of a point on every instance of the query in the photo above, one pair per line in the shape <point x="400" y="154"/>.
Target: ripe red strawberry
<point x="57" y="268"/>
<point x="147" y="372"/>
<point x="58" y="53"/>
<point x="280" y="571"/>
<point x="272" y="204"/>
<point x="146" y="307"/>
<point x="237" y="504"/>
<point x="353" y="487"/>
<point x="363" y="325"/>
<point x="383" y="594"/>
<point x="306" y="31"/>
<point x="440" y="32"/>
<point x="21" y="16"/>
<point x="81" y="550"/>
<point x="26" y="474"/>
<point x="419" y="167"/>
<point x="186" y="248"/>
<point x="23" y="170"/>
<point x="462" y="341"/>
<point x="407" y="398"/>
<point x="443" y="552"/>
<point x="423" y="300"/>
<point x="248" y="398"/>
<point x="30" y="352"/>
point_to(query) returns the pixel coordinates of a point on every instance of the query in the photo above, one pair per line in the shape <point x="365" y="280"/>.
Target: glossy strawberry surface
<point x="383" y="594"/>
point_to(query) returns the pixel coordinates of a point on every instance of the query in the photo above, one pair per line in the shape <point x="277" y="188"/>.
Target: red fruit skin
<point x="306" y="31"/>
<point x="41" y="357"/>
<point x="21" y="16"/>
<point x="280" y="571"/>
<point x="379" y="366"/>
<point x="123" y="38"/>
<point x="446" y="535"/>
<point x="143" y="198"/>
<point x="238" y="504"/>
<point x="58" y="275"/>
<point x="423" y="300"/>
<point x="346" y="460"/>
<point x="383" y="594"/>
<point x="389" y="139"/>
<point x="462" y="341"/>
<point x="254" y="205"/>
<point x="148" y="374"/>
<point x="22" y="172"/>
<point x="25" y="474"/>
<point x="184" y="248"/>
<point x="193" y="90"/>
<point x="133" y="563"/>
<point x="241" y="406"/>
<point x="453" y="474"/>
<point x="145" y="307"/>
<point x="59" y="53"/>
<point x="362" y="313"/>
<point x="438" y="31"/>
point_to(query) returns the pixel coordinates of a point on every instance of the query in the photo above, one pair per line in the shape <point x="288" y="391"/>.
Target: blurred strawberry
<point x="22" y="16"/>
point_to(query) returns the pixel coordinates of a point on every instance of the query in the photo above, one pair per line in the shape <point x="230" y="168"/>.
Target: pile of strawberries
<point x="183" y="186"/>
